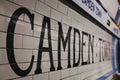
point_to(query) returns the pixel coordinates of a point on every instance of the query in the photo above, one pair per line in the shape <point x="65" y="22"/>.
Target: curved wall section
<point x="47" y="40"/>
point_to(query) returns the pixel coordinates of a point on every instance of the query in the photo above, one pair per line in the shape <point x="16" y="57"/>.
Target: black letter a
<point x="45" y="49"/>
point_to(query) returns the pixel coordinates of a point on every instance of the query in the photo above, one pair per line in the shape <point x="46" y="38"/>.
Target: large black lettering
<point x="91" y="45"/>
<point x="100" y="49"/>
<point x="103" y="54"/>
<point x="64" y="42"/>
<point x="46" y="21"/>
<point x="76" y="31"/>
<point x="83" y="44"/>
<point x="10" y="41"/>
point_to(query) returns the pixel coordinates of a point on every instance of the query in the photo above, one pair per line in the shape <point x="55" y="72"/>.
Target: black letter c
<point x="10" y="41"/>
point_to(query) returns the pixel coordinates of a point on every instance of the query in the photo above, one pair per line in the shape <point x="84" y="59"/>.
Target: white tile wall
<point x="54" y="24"/>
<point x="18" y="41"/>
<point x="23" y="28"/>
<point x="26" y="3"/>
<point x="43" y="76"/>
<point x="53" y="35"/>
<point x="55" y="75"/>
<point x="55" y="56"/>
<point x="6" y="72"/>
<point x="23" y="55"/>
<point x="54" y="45"/>
<point x="3" y="56"/>
<point x="52" y="3"/>
<point x="3" y="23"/>
<point x="26" y="41"/>
<point x="45" y="66"/>
<point x="66" y="19"/>
<point x="25" y="78"/>
<point x="38" y="18"/>
<point x="56" y="15"/>
<point x="30" y="42"/>
<point x="73" y="71"/>
<point x="43" y="9"/>
<point x="37" y="31"/>
<point x="7" y="8"/>
<point x="26" y="65"/>
<point x="65" y="73"/>
<point x="62" y="8"/>
<point x="2" y="39"/>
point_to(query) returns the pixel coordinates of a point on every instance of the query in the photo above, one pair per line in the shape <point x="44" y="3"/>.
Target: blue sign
<point x="92" y="7"/>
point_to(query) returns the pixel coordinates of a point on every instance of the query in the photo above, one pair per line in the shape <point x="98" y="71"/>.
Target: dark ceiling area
<point x="119" y="2"/>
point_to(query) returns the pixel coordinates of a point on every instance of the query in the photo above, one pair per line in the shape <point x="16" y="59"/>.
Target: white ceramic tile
<point x="65" y="73"/>
<point x="38" y="18"/>
<point x="8" y="8"/>
<point x="3" y="56"/>
<point x="2" y="39"/>
<point x="23" y="55"/>
<point x="62" y="8"/>
<point x="37" y="31"/>
<point x="23" y="28"/>
<point x="26" y="65"/>
<point x="54" y="24"/>
<point x="45" y="66"/>
<point x="26" y="3"/>
<point x="6" y="72"/>
<point x="17" y="41"/>
<point x="4" y="21"/>
<point x="66" y="19"/>
<point x="52" y="3"/>
<point x="54" y="35"/>
<point x="43" y="9"/>
<point x="56" y="15"/>
<point x="25" y="78"/>
<point x="30" y="42"/>
<point x="55" y="75"/>
<point x="43" y="76"/>
<point x="54" y="45"/>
